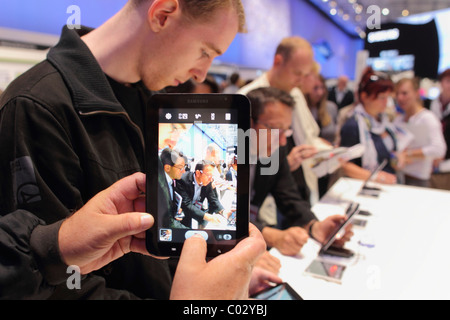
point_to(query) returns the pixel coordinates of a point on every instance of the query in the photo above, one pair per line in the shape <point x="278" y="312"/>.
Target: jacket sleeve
<point x="27" y="245"/>
<point x="41" y="173"/>
<point x="40" y="170"/>
<point x="295" y="210"/>
<point x="187" y="204"/>
<point x="214" y="204"/>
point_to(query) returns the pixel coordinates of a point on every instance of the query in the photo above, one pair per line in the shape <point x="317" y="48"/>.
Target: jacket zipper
<point x="118" y="113"/>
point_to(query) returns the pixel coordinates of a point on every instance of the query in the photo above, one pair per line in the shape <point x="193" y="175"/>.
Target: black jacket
<point x="64" y="137"/>
<point x="348" y="98"/>
<point x="294" y="209"/>
<point x="30" y="263"/>
<point x="186" y="188"/>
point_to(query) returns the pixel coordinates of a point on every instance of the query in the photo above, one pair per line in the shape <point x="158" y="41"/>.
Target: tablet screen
<point x="280" y="292"/>
<point x="204" y="185"/>
<point x="351" y="211"/>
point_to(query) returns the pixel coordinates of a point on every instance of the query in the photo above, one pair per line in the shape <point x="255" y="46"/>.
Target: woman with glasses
<point x="370" y="126"/>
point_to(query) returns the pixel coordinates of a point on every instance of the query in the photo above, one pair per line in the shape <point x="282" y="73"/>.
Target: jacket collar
<point x="82" y="74"/>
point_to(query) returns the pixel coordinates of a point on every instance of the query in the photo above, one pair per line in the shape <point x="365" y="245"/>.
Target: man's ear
<point x="160" y="11"/>
<point x="278" y="60"/>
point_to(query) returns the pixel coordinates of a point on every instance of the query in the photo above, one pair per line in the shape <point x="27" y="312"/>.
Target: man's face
<point x="177" y="170"/>
<point x="205" y="176"/>
<point x="187" y="49"/>
<point x="276" y="116"/>
<point x="292" y="73"/>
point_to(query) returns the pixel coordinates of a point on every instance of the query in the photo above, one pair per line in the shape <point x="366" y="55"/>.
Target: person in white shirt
<point x="416" y="161"/>
<point x="441" y="107"/>
<point x="293" y="62"/>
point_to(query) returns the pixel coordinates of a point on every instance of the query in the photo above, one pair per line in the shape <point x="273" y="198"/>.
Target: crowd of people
<point x="71" y="135"/>
<point x="392" y="120"/>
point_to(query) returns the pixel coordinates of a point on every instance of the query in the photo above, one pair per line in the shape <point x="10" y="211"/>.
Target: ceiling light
<point x="333" y="12"/>
<point x="385" y="11"/>
<point x="405" y="13"/>
<point x="358" y="8"/>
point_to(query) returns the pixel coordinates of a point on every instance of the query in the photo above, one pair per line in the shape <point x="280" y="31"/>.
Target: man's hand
<point x="109" y="226"/>
<point x="321" y="230"/>
<point x="211" y="218"/>
<point x="269" y="262"/>
<point x="262" y="279"/>
<point x="289" y="242"/>
<point x="225" y="277"/>
<point x="298" y="154"/>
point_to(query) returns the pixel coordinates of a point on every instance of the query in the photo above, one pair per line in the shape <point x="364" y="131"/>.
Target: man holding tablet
<point x="74" y="124"/>
<point x="272" y="108"/>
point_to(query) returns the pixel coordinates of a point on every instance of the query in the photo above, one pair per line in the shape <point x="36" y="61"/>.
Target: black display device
<point x="282" y="291"/>
<point x="366" y="190"/>
<point x="327" y="247"/>
<point x="326" y="270"/>
<point x="194" y="196"/>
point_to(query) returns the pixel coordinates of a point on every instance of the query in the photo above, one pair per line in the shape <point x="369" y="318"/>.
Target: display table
<point x="403" y="252"/>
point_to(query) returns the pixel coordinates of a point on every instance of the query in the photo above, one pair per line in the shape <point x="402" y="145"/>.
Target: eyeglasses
<point x="181" y="168"/>
<point x="287" y="132"/>
<point x="208" y="175"/>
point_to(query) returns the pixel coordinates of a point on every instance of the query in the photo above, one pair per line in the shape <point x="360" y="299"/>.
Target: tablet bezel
<point x="352" y="211"/>
<point x="204" y="102"/>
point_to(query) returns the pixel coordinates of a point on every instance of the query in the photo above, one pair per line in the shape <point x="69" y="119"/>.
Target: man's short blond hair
<point x="288" y="45"/>
<point x="204" y="9"/>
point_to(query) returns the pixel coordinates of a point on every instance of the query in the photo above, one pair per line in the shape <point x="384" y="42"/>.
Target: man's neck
<point x="198" y="184"/>
<point x="115" y="45"/>
<point x="273" y="78"/>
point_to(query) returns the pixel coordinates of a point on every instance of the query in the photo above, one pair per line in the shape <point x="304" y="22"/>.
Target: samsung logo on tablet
<point x="197" y="101"/>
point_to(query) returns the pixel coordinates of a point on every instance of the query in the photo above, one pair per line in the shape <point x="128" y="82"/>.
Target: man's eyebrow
<point x="213" y="48"/>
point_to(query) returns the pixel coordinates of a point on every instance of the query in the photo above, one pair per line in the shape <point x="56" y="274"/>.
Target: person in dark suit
<point x="194" y="188"/>
<point x="272" y="109"/>
<point x="340" y="94"/>
<point x="231" y="174"/>
<point x="173" y="167"/>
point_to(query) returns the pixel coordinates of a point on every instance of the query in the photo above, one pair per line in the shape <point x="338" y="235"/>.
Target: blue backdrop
<point x="268" y="22"/>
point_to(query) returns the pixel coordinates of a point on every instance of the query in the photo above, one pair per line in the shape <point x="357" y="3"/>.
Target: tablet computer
<point x="282" y="291"/>
<point x="327" y="246"/>
<point x="193" y="144"/>
<point x="372" y="191"/>
<point x="325" y="270"/>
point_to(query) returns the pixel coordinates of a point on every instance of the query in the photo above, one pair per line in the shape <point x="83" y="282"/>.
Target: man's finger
<point x="128" y="224"/>
<point x="131" y="187"/>
<point x="194" y="251"/>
